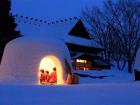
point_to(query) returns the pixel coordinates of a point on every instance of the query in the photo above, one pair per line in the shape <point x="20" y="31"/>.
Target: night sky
<point x="51" y="9"/>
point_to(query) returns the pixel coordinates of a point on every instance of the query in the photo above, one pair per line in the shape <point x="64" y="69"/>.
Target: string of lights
<point x="35" y="21"/>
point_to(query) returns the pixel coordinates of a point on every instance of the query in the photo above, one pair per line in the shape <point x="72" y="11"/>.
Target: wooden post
<point x="75" y="79"/>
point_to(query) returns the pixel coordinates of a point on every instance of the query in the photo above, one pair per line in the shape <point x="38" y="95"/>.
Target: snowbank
<point x="92" y="94"/>
<point x="103" y="76"/>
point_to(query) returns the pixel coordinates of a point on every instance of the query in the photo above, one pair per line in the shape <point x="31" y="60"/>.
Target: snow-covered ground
<point x="116" y="89"/>
<point x="104" y="76"/>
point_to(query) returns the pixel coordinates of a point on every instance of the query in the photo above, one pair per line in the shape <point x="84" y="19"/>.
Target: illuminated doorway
<point x="48" y="63"/>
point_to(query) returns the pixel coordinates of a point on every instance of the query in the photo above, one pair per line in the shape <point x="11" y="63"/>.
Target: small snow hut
<point x="25" y="56"/>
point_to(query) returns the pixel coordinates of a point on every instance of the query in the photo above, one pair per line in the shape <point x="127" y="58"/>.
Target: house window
<point x="81" y="61"/>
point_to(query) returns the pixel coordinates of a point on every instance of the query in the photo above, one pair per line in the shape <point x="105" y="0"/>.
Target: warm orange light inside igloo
<point x="48" y="64"/>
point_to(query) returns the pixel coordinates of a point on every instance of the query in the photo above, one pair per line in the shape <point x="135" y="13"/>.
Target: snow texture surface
<point x="23" y="55"/>
<point x="93" y="94"/>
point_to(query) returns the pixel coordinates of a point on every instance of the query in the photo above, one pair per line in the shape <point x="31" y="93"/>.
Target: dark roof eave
<point x="81" y="48"/>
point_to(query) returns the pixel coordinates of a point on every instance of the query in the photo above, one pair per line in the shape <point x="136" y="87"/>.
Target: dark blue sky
<point x="51" y="9"/>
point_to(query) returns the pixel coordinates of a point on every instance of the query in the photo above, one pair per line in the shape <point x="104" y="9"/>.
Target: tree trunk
<point x="118" y="65"/>
<point x="123" y="66"/>
<point x="129" y="67"/>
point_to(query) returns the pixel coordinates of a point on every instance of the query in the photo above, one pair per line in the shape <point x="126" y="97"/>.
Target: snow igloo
<point x="24" y="57"/>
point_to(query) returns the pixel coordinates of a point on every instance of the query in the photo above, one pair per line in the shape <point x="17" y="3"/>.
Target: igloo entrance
<point x="48" y="63"/>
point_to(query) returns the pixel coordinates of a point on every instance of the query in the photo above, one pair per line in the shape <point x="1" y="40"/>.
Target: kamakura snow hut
<point x="25" y="56"/>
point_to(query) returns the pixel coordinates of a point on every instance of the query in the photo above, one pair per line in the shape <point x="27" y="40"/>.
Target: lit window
<point x="81" y="61"/>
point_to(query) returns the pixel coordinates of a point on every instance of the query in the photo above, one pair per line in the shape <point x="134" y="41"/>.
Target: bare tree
<point x="116" y="27"/>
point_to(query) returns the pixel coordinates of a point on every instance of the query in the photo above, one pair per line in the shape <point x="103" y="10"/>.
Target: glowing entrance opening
<point x="48" y="63"/>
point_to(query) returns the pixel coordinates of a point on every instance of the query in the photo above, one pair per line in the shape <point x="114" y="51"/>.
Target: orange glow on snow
<point x="48" y="63"/>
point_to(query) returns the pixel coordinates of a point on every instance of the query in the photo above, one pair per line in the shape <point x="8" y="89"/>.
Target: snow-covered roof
<point x="77" y="55"/>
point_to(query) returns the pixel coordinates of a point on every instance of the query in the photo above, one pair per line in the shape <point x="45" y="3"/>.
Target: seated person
<point x="42" y="76"/>
<point x="47" y="76"/>
<point x="53" y="76"/>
